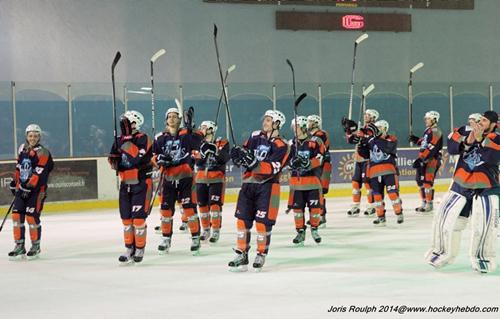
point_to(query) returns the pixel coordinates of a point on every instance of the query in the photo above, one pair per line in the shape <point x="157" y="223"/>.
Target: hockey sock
<point x="128" y="233"/>
<point x="315" y="216"/>
<point x="243" y="234"/>
<point x="396" y="203"/>
<point x="263" y="238"/>
<point x="205" y="216"/>
<point x="166" y="222"/>
<point x="35" y="228"/>
<point x="216" y="212"/>
<point x="298" y="216"/>
<point x="140" y="232"/>
<point x="193" y="221"/>
<point x="18" y="227"/>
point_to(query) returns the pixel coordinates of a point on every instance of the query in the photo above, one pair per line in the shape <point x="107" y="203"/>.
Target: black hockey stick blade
<point x="299" y="99"/>
<point x="215" y="30"/>
<point x="116" y="59"/>
<point x="289" y="63"/>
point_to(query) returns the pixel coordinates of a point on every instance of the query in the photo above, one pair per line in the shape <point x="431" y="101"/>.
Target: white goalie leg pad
<point x="444" y="225"/>
<point x="456" y="236"/>
<point x="484" y="233"/>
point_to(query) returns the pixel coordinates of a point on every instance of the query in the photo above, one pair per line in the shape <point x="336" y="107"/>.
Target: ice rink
<point x="78" y="275"/>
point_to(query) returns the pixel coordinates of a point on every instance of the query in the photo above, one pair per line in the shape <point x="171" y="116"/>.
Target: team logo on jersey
<point x="377" y="156"/>
<point x="473" y="159"/>
<point x="304" y="153"/>
<point x="261" y="152"/>
<point x="125" y="162"/>
<point x="424" y="144"/>
<point x="25" y="170"/>
<point x="175" y="150"/>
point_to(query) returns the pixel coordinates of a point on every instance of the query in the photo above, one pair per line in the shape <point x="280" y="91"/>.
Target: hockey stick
<point x="115" y="133"/>
<point x="360" y="39"/>
<point x="362" y="106"/>
<point x="223" y="86"/>
<point x="410" y="97"/>
<point x="155" y="57"/>
<point x="295" y="105"/>
<point x="229" y="70"/>
<point x="8" y="212"/>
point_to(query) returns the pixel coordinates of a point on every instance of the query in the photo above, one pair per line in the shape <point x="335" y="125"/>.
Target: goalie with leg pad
<point x="475" y="186"/>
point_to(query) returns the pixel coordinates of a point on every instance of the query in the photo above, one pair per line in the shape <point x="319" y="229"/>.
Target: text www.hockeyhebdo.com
<point x="402" y="309"/>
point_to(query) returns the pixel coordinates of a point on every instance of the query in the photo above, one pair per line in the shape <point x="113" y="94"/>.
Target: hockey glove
<point x="125" y="126"/>
<point x="237" y="154"/>
<point x="12" y="187"/>
<point x="114" y="160"/>
<point x="373" y="130"/>
<point x="413" y="139"/>
<point x="418" y="163"/>
<point x="249" y="160"/>
<point x="349" y="125"/>
<point x="25" y="191"/>
<point x="207" y="148"/>
<point x="164" y="160"/>
<point x="188" y="118"/>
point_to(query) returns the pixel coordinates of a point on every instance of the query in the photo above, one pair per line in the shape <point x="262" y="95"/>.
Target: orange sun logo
<point x="346" y="167"/>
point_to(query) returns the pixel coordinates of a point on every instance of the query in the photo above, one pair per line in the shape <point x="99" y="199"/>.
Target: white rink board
<point x="78" y="275"/>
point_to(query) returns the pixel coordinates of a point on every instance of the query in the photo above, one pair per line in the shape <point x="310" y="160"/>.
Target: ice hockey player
<point x="131" y="155"/>
<point x="262" y="157"/>
<point x="314" y="128"/>
<point x="34" y="164"/>
<point x="429" y="159"/>
<point x="473" y="194"/>
<point x="306" y="163"/>
<point x="173" y="150"/>
<point x="210" y="180"/>
<point x="382" y="170"/>
<point x="361" y="157"/>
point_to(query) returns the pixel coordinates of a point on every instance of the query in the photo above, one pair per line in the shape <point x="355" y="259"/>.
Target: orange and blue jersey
<point x="34" y="165"/>
<point x="271" y="154"/>
<point x="182" y="148"/>
<point x="310" y="178"/>
<point x="135" y="153"/>
<point x="212" y="169"/>
<point x="382" y="156"/>
<point x="431" y="144"/>
<point x="477" y="166"/>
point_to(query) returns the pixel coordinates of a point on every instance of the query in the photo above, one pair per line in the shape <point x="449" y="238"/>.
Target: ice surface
<point x="78" y="275"/>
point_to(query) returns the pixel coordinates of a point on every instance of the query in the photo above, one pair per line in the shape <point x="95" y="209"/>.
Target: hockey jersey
<point x="323" y="135"/>
<point x="477" y="166"/>
<point x="135" y="152"/>
<point x="382" y="156"/>
<point x="181" y="147"/>
<point x="310" y="178"/>
<point x="33" y="167"/>
<point x="212" y="169"/>
<point x="271" y="155"/>
<point x="430" y="144"/>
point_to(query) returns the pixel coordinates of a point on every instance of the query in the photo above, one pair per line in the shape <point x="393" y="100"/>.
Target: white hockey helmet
<point x="315" y="119"/>
<point x="301" y="123"/>
<point x="382" y="125"/>
<point x="432" y="115"/>
<point x="277" y="116"/>
<point x="33" y="128"/>
<point x="173" y="110"/>
<point x="474" y="116"/>
<point x="209" y="125"/>
<point x="135" y="117"/>
<point x="373" y="114"/>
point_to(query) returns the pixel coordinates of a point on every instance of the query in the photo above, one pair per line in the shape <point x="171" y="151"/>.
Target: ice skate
<point x="369" y="211"/>
<point x="353" y="212"/>
<point x="300" y="238"/>
<point x="34" y="251"/>
<point x="484" y="266"/>
<point x="18" y="252"/>
<point x="315" y="235"/>
<point x="215" y="236"/>
<point x="380" y="222"/>
<point x="205" y="234"/>
<point x="400" y="219"/>
<point x="164" y="245"/>
<point x="138" y="255"/>
<point x="195" y="245"/>
<point x="126" y="257"/>
<point x="259" y="261"/>
<point x="183" y="227"/>
<point x="158" y="230"/>
<point x="240" y="262"/>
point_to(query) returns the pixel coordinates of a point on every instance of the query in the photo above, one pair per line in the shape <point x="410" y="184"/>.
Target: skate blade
<point x="127" y="263"/>
<point x="33" y="257"/>
<point x="18" y="258"/>
<point x="195" y="252"/>
<point x="242" y="268"/>
<point x="301" y="244"/>
<point x="257" y="270"/>
<point x="163" y="252"/>
<point x="380" y="225"/>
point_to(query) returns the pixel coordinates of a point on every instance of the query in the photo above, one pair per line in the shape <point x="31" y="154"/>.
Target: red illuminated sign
<point x="353" y="22"/>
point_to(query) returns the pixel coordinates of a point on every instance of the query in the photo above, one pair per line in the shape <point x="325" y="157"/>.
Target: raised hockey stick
<point x="295" y="104"/>
<point x="155" y="57"/>
<point x="223" y="86"/>
<point x="8" y="212"/>
<point x="360" y="39"/>
<point x="113" y="66"/>
<point x="362" y="105"/>
<point x="410" y="97"/>
<point x="228" y="71"/>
